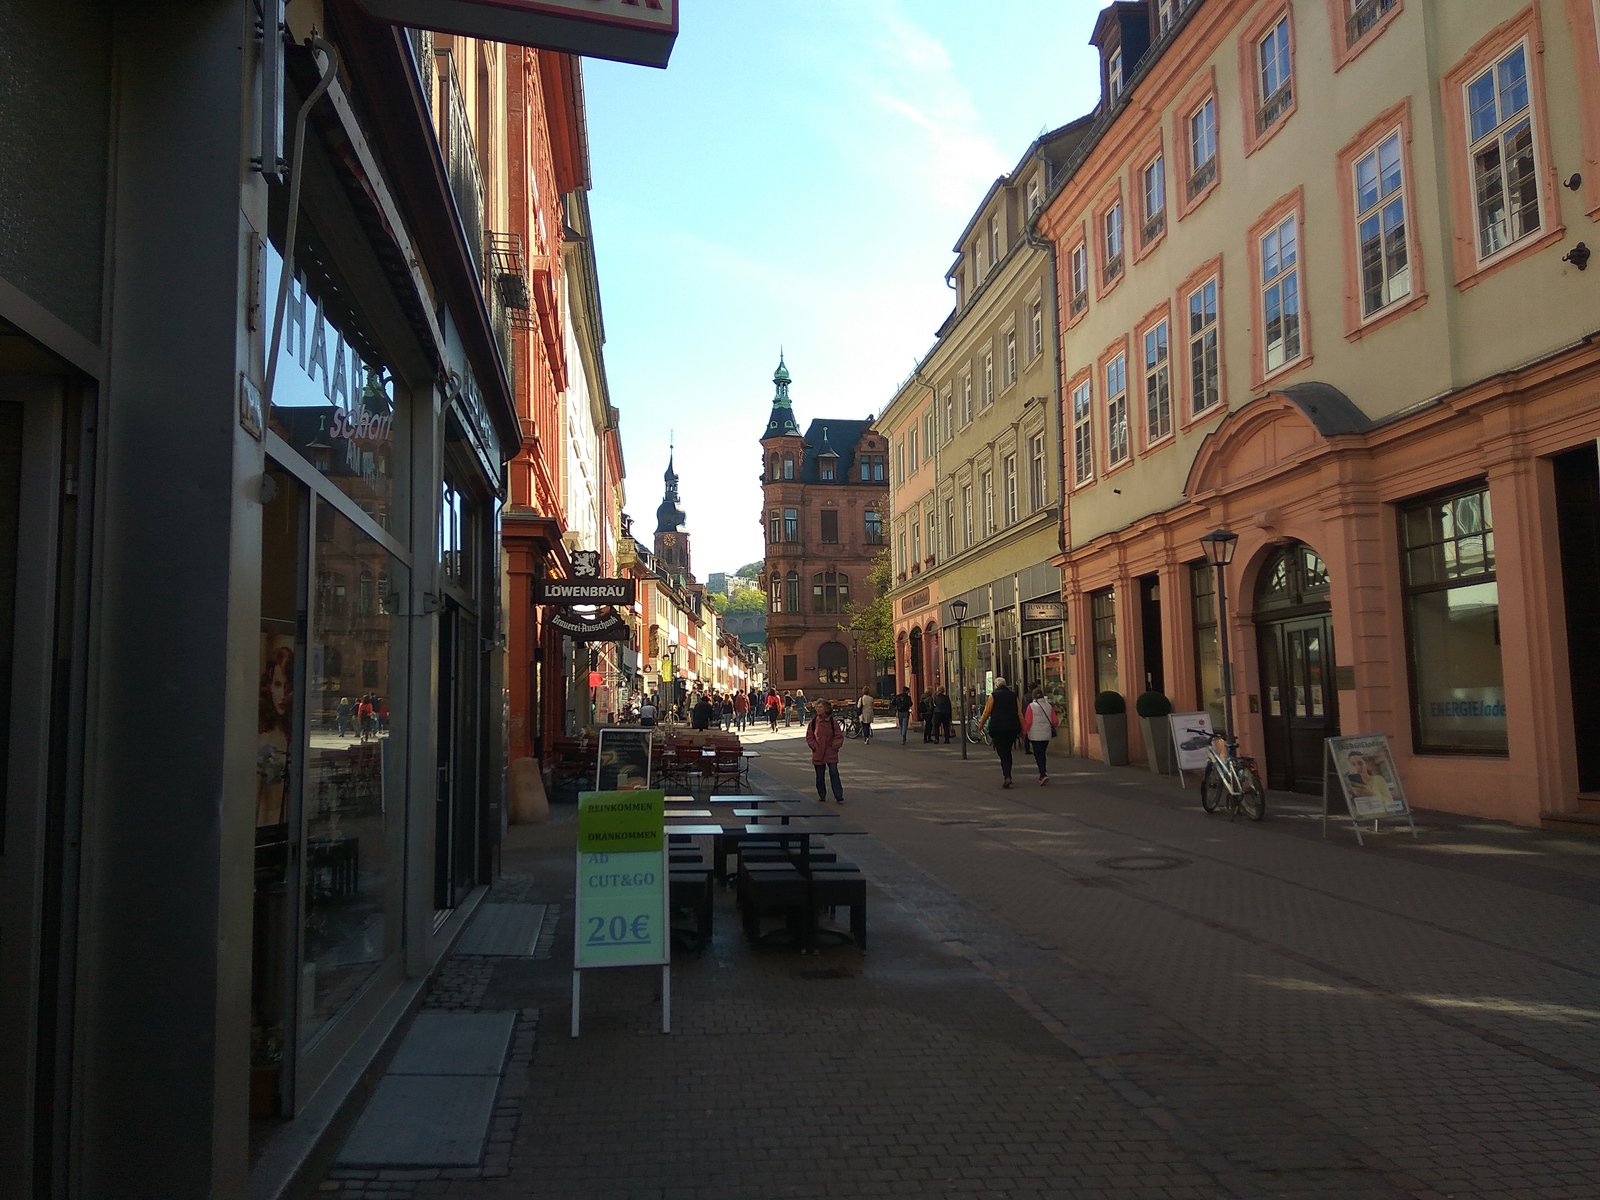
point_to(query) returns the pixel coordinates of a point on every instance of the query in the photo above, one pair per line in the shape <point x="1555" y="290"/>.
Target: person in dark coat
<point x="825" y="735"/>
<point x="700" y="714"/>
<point x="942" y="712"/>
<point x="925" y="715"/>
<point x="902" y="712"/>
<point x="1003" y="716"/>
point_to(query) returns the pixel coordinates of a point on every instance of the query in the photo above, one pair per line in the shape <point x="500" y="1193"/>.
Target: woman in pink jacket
<point x="825" y="735"/>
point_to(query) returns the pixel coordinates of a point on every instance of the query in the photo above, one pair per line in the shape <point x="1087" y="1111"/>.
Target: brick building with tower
<point x="825" y="502"/>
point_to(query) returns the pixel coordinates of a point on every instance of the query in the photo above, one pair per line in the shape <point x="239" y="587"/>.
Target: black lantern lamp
<point x="1219" y="546"/>
<point x="958" y="610"/>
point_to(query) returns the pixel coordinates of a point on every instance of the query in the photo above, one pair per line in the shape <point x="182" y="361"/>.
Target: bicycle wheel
<point x="1252" y="800"/>
<point x="1211" y="789"/>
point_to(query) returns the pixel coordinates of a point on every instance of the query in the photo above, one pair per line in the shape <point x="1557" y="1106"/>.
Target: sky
<point x="795" y="179"/>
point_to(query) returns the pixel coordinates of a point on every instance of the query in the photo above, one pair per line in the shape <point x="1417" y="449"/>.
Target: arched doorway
<point x="915" y="654"/>
<point x="1294" y="634"/>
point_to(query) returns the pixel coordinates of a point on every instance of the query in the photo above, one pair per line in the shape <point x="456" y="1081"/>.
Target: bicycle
<point x="1230" y="776"/>
<point x="852" y="726"/>
<point x="977" y="732"/>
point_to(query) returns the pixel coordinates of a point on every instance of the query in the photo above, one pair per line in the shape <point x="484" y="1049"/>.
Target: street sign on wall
<point x="631" y="31"/>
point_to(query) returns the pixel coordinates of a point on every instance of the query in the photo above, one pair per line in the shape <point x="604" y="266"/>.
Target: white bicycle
<point x="1231" y="780"/>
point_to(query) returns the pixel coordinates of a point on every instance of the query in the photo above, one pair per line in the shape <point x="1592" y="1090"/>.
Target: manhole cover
<point x="1144" y="862"/>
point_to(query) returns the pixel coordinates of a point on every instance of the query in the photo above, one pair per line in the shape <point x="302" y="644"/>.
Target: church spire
<point x="781" y="423"/>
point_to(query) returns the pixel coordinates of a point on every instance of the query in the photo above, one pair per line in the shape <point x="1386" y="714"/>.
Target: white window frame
<point x="1495" y="138"/>
<point x="966" y="399"/>
<point x="1274" y="75"/>
<point x="1009" y="482"/>
<point x="1118" y="449"/>
<point x="988" y="503"/>
<point x="1202" y="168"/>
<point x="1153" y="198"/>
<point x="1038" y="485"/>
<point x="1209" y="338"/>
<point x="1114" y="74"/>
<point x="988" y="378"/>
<point x="913" y="450"/>
<point x="1113" y="242"/>
<point x="1035" y="199"/>
<point x="932" y="548"/>
<point x="1036" y="327"/>
<point x="1375" y="216"/>
<point x="916" y="542"/>
<point x="1280" y="287"/>
<point x="1010" y="364"/>
<point x="1083" y="433"/>
<point x="966" y="517"/>
<point x="996" y="250"/>
<point x="1078" y="277"/>
<point x="949" y="412"/>
<point x="1156" y="348"/>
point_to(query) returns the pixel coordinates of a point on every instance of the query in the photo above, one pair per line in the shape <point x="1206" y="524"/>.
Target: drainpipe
<point x="322" y="46"/>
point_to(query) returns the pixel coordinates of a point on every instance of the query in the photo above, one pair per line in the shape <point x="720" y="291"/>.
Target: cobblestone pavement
<point x="1087" y="989"/>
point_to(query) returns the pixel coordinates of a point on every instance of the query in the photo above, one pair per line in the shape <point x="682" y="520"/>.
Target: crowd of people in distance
<point x="1007" y="717"/>
<point x="363" y="717"/>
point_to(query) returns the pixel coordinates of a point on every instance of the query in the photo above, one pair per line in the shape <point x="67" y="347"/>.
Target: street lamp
<point x="958" y="610"/>
<point x="1219" y="546"/>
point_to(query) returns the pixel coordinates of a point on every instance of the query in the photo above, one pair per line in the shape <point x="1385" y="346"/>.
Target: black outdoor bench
<point x="691" y="889"/>
<point x="847" y="888"/>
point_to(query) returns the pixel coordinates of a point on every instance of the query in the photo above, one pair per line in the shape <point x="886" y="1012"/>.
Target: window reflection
<point x="354" y="762"/>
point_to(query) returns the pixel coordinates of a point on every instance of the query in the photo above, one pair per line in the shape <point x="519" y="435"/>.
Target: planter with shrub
<point x="1154" y="709"/>
<point x="1111" y="718"/>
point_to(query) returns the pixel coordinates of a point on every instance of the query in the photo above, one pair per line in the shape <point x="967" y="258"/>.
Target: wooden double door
<point x="1299" y="701"/>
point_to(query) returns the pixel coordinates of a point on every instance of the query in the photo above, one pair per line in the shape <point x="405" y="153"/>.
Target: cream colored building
<point x="1323" y="286"/>
<point x="975" y="464"/>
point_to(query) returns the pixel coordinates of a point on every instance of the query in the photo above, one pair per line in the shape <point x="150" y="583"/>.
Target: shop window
<point x="1453" y="624"/>
<point x="833" y="663"/>
<point x="830" y="526"/>
<point x="1103" y="623"/>
<point x="354" y="811"/>
<point x="1207" y="650"/>
<point x="333" y="398"/>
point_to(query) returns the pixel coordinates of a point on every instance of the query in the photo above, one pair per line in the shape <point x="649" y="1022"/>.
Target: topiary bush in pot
<point x="1153" y="709"/>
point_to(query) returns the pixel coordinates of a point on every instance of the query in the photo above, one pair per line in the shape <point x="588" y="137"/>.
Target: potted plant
<point x="1111" y="717"/>
<point x="1153" y="709"/>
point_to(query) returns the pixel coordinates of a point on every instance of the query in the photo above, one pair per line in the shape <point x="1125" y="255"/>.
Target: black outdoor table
<point x="785" y="811"/>
<point x="784" y="834"/>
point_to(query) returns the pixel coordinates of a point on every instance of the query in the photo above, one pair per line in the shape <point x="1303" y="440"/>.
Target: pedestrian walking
<point x="716" y="711"/>
<point x="1003" y="718"/>
<point x="925" y="715"/>
<point x="800" y="708"/>
<point x="788" y="709"/>
<point x="902" y="712"/>
<point x="700" y="714"/>
<point x="1039" y="725"/>
<point x="774" y="709"/>
<point x="942" y="712"/>
<point x="864" y="709"/>
<point x="648" y="712"/>
<point x="825" y="735"/>
<point x="344" y="716"/>
<point x="741" y="709"/>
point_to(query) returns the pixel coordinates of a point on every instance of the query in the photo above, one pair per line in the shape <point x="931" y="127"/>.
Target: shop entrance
<point x="1578" y="518"/>
<point x="914" y="653"/>
<point x="1155" y="675"/>
<point x="455" y="808"/>
<point x="1299" y="701"/>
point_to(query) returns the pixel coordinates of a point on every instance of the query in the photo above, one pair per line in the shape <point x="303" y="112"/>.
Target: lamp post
<point x="1219" y="546"/>
<point x="958" y="610"/>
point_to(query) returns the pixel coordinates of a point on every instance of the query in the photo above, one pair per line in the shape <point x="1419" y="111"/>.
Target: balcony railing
<point x="460" y="155"/>
<point x="1202" y="176"/>
<point x="1079" y="303"/>
<point x="1274" y="106"/>
<point x="1151" y="229"/>
<point x="422" y="47"/>
<point x="1363" y="16"/>
<point x="1113" y="270"/>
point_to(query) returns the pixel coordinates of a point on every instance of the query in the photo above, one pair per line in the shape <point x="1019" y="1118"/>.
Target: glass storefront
<point x="1453" y="624"/>
<point x="1207" y="649"/>
<point x="1103" y="621"/>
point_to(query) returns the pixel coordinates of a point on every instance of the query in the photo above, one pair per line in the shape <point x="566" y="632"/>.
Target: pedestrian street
<point x="1290" y="1003"/>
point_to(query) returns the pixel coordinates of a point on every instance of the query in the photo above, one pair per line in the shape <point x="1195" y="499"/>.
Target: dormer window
<point x="995" y="249"/>
<point x="1035" y="200"/>
<point x="827" y="467"/>
<point x="1114" y="74"/>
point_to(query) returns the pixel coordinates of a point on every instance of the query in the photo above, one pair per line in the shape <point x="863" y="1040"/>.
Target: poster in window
<point x="274" y="728"/>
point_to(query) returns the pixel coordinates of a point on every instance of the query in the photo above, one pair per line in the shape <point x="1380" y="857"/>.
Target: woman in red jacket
<point x="825" y="735"/>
